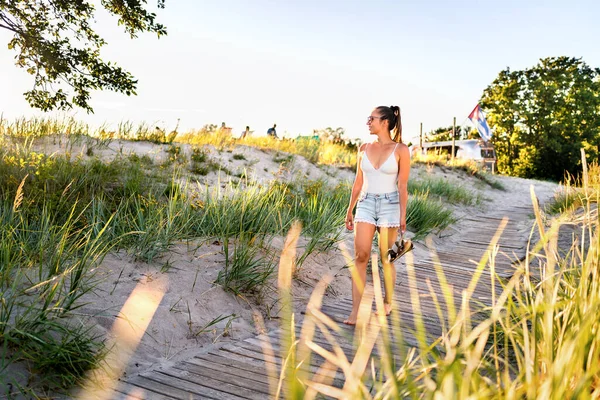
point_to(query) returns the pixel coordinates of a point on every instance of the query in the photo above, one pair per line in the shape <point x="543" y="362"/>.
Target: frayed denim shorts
<point x="381" y="209"/>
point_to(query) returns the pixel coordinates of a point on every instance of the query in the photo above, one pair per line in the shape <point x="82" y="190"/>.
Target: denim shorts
<point x="381" y="209"/>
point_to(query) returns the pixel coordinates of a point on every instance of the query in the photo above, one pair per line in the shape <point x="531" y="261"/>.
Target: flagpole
<point x="453" y="135"/>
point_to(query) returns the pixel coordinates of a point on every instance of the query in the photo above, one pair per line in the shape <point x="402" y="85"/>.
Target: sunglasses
<point x="371" y="118"/>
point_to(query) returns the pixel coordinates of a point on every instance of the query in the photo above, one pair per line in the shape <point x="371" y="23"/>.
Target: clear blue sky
<point x="308" y="64"/>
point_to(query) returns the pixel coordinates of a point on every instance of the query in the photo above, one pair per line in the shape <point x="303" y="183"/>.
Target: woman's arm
<point x="403" y="173"/>
<point x="356" y="188"/>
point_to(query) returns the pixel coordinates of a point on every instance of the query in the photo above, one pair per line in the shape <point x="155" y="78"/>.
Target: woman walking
<point x="380" y="189"/>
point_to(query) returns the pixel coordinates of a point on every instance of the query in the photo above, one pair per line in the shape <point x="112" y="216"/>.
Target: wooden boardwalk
<point x="239" y="370"/>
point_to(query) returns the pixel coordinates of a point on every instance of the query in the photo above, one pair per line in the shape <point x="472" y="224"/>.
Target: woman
<point x="379" y="188"/>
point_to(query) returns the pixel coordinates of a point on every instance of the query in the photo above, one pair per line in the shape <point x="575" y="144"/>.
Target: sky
<point x="312" y="64"/>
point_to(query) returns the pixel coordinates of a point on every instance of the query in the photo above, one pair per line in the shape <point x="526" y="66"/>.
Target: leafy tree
<point x="501" y="99"/>
<point x="543" y="116"/>
<point x="56" y="44"/>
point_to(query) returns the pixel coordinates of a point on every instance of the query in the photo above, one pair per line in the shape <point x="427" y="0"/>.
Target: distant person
<point x="380" y="195"/>
<point x="272" y="132"/>
<point x="224" y="128"/>
<point x="246" y="133"/>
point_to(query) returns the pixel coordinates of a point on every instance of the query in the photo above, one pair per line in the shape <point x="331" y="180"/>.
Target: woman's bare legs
<point x="387" y="237"/>
<point x="363" y="240"/>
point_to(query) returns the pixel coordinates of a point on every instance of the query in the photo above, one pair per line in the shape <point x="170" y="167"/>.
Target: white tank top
<point x="381" y="180"/>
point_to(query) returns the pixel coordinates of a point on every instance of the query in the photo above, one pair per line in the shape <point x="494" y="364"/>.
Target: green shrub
<point x="424" y="215"/>
<point x="247" y="270"/>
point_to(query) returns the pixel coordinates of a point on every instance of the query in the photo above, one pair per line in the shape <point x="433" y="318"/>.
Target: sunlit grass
<point x="60" y="215"/>
<point x="424" y="216"/>
<point x="470" y="167"/>
<point x="448" y="190"/>
<point x="575" y="193"/>
<point x="536" y="339"/>
<point x="315" y="151"/>
<point x="43" y="126"/>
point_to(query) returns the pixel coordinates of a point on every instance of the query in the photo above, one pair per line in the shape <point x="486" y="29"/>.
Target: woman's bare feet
<point x="387" y="308"/>
<point x="351" y="320"/>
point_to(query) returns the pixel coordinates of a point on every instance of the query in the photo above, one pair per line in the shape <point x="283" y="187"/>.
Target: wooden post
<point x="453" y="135"/>
<point x="421" y="136"/>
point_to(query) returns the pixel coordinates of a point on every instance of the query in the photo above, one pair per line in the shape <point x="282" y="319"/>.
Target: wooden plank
<point x="134" y="393"/>
<point x="501" y="243"/>
<point x="204" y="387"/>
<point x="230" y="371"/>
<point x="251" y="355"/>
<point x="315" y="363"/>
<point x="349" y="347"/>
<point x="431" y="322"/>
<point x="234" y="363"/>
<point x="218" y="381"/>
<point x="157" y="384"/>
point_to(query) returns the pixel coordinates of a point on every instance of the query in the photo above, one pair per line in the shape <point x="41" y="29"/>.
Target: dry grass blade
<point x="288" y="255"/>
<point x="19" y="195"/>
<point x="288" y="337"/>
<point x="361" y="358"/>
<point x="385" y="344"/>
<point x="328" y="390"/>
<point x="308" y="326"/>
<point x="269" y="353"/>
<point x="324" y="377"/>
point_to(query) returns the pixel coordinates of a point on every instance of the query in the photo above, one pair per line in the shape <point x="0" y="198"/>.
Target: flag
<point x="477" y="117"/>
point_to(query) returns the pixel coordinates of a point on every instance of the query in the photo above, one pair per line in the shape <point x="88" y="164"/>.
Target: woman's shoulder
<point x="402" y="152"/>
<point x="363" y="147"/>
<point x="401" y="148"/>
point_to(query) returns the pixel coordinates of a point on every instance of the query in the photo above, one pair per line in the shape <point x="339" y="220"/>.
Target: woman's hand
<point x="349" y="221"/>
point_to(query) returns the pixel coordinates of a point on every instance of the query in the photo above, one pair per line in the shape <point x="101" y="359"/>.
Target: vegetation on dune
<point x="315" y="150"/>
<point x="468" y="166"/>
<point x="537" y="339"/>
<point x="576" y="192"/>
<point x="62" y="214"/>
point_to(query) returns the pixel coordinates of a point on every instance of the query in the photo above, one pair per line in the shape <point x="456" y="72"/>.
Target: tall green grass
<point x="448" y="190"/>
<point x="248" y="268"/>
<point x="60" y="215"/>
<point x="424" y="216"/>
<point x="470" y="167"/>
<point x="536" y="339"/>
<point x="45" y="268"/>
<point x="575" y="193"/>
<point x="41" y="126"/>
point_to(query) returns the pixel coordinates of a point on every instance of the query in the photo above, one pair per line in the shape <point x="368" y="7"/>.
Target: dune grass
<point x="575" y="193"/>
<point x="315" y="151"/>
<point x="424" y="216"/>
<point x="60" y="215"/>
<point x="444" y="189"/>
<point x="468" y="166"/>
<point x="45" y="267"/>
<point x="537" y="339"/>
